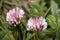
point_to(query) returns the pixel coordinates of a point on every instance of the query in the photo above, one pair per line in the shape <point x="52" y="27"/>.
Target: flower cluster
<point x="35" y="24"/>
<point x="14" y="16"/>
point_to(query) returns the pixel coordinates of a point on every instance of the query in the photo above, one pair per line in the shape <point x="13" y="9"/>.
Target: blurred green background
<point x="46" y="8"/>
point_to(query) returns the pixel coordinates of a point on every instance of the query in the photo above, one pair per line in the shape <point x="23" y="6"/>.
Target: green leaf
<point x="9" y="33"/>
<point x="37" y="10"/>
<point x="54" y="7"/>
<point x="34" y="10"/>
<point x="24" y="22"/>
<point x="30" y="35"/>
<point x="6" y="37"/>
<point x="2" y="34"/>
<point x="52" y="21"/>
<point x="1" y="1"/>
<point x="16" y="35"/>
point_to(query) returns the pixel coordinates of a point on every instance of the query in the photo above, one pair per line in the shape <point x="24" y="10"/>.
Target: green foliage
<point x="58" y="23"/>
<point x="37" y="9"/>
<point x="30" y="35"/>
<point x="52" y="21"/>
<point x="6" y="37"/>
<point x="54" y="7"/>
<point x="1" y="1"/>
<point x="57" y="1"/>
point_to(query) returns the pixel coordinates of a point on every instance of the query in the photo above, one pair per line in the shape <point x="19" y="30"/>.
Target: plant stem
<point x="10" y="3"/>
<point x="47" y="12"/>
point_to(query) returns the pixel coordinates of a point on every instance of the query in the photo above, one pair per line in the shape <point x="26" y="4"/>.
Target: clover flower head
<point x="36" y="24"/>
<point x="14" y="16"/>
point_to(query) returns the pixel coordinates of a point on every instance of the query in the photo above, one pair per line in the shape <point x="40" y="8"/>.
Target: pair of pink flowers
<point x="15" y="15"/>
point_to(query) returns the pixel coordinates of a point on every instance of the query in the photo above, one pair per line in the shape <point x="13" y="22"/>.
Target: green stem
<point x="36" y="36"/>
<point x="47" y="12"/>
<point x="10" y="3"/>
